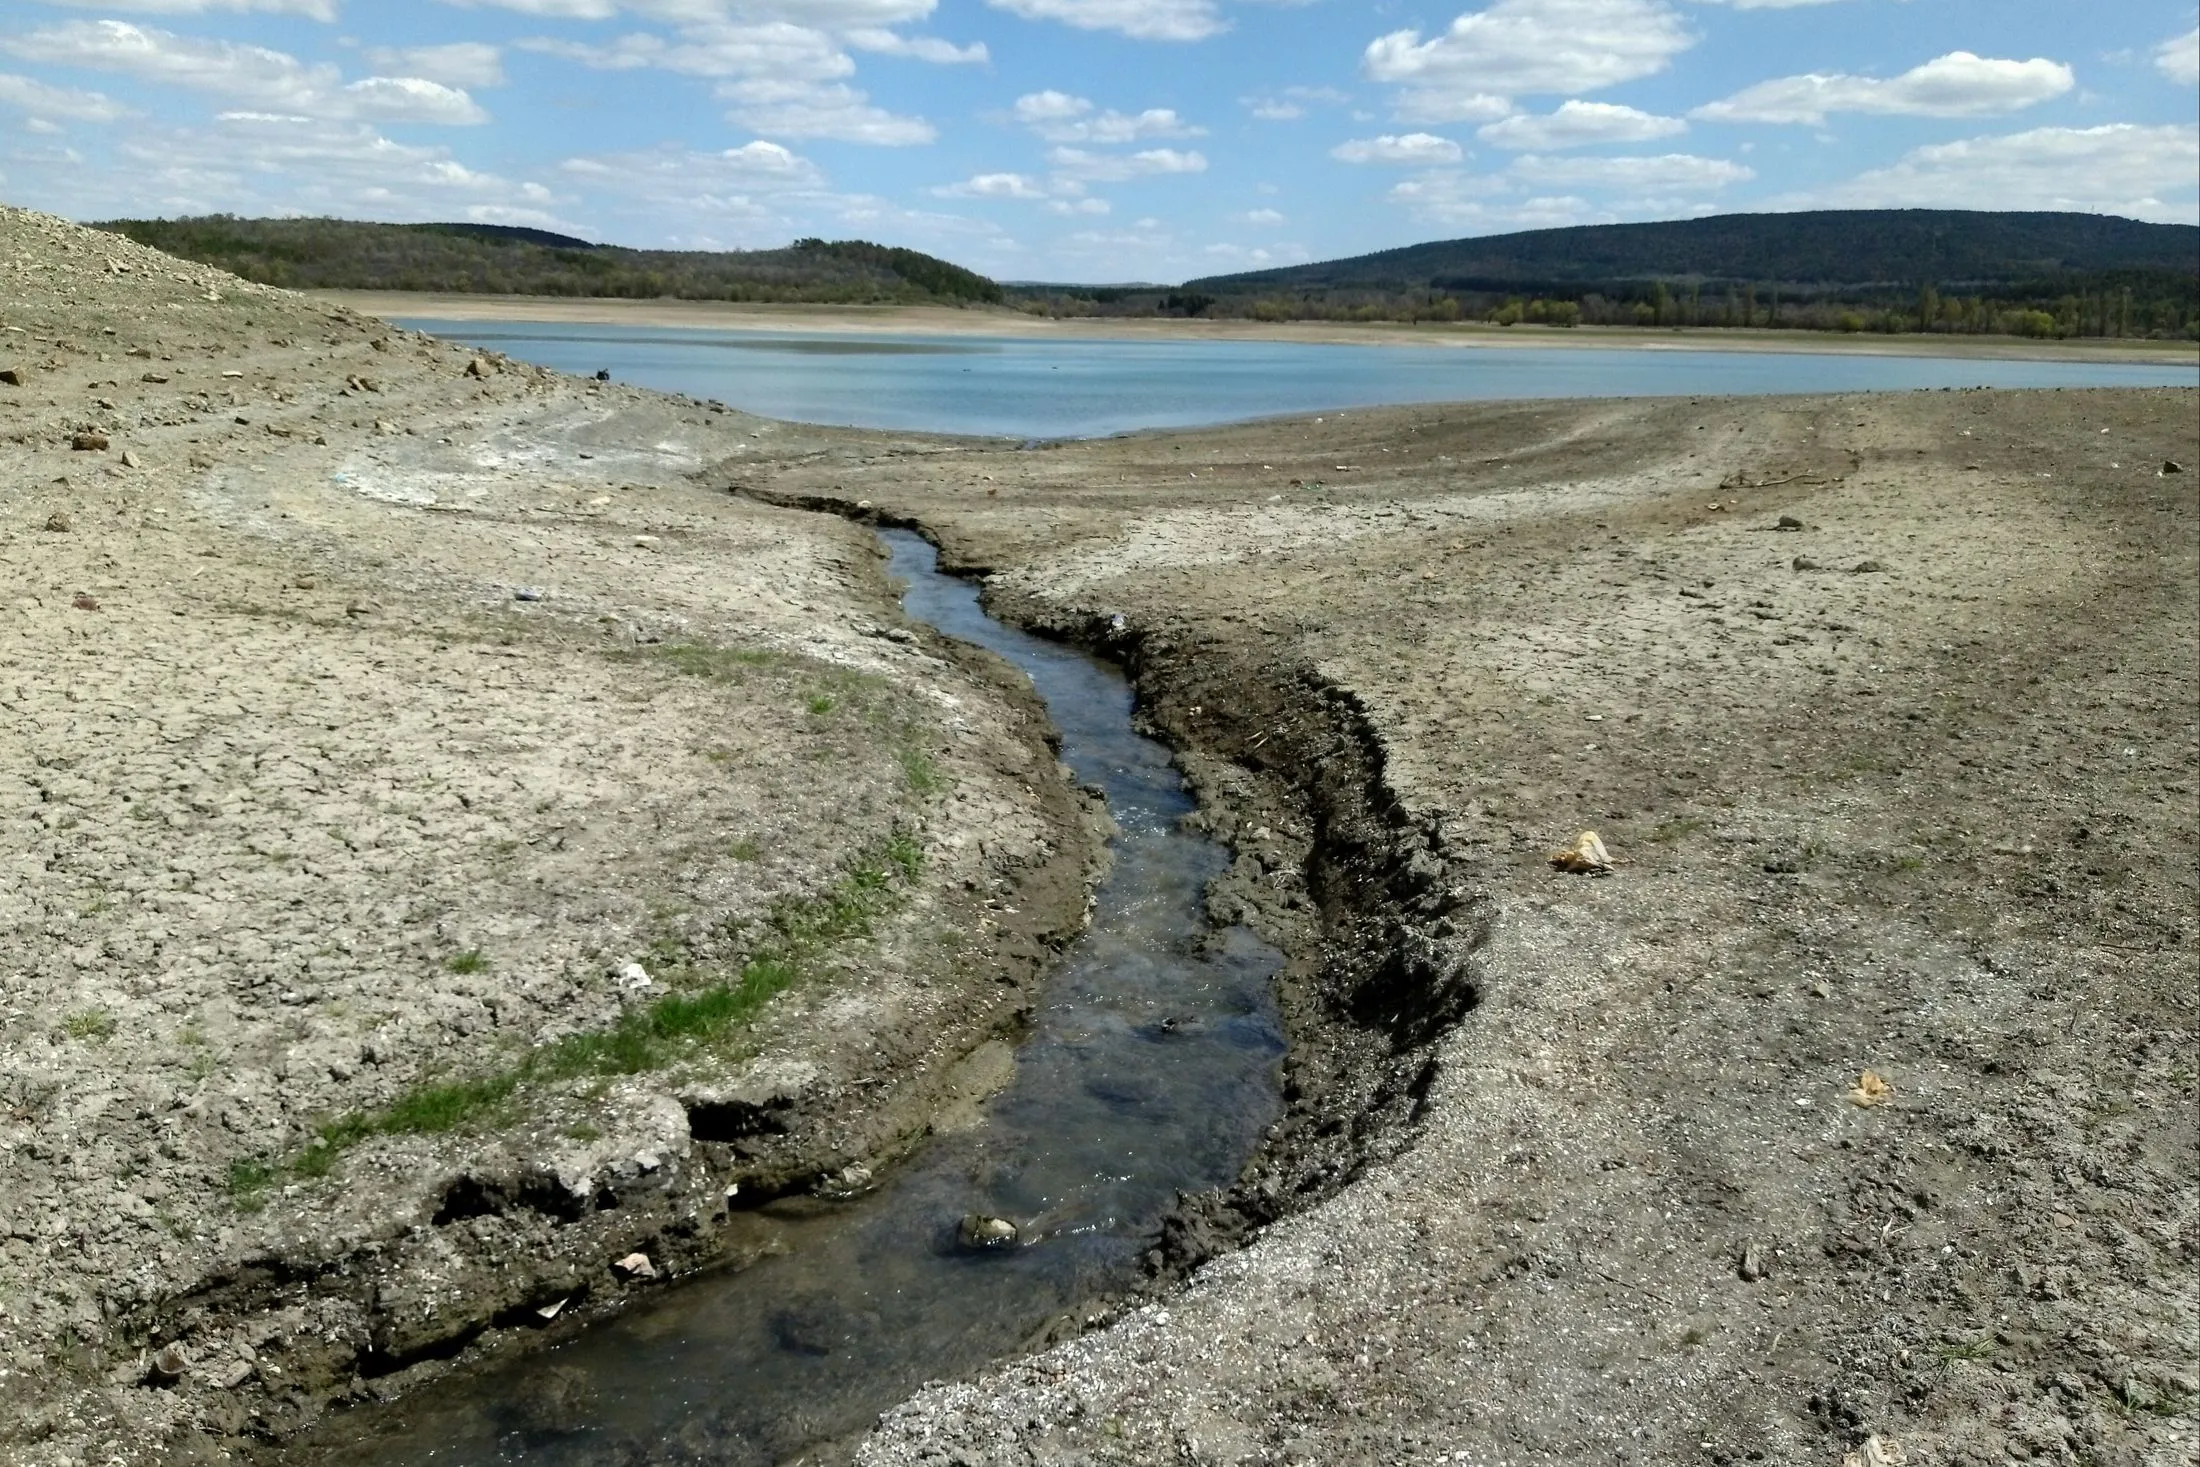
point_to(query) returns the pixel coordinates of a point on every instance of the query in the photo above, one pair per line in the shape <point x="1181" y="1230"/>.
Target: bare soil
<point x="1886" y="707"/>
<point x="374" y="717"/>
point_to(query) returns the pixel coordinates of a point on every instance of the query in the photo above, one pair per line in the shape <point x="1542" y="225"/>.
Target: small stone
<point x="1804" y="563"/>
<point x="234" y="1374"/>
<point x="158" y="379"/>
<point x="551" y="1310"/>
<point x="59" y="522"/>
<point x="645" y="542"/>
<point x="86" y="603"/>
<point x="89" y="443"/>
<point x="14" y="376"/>
<point x="303" y="583"/>
<point x="361" y="608"/>
<point x="168" y="1364"/>
<point x="982" y="1234"/>
<point x="634" y="975"/>
<point x="528" y="593"/>
<point x="1788" y="522"/>
<point x="1752" y="1266"/>
<point x="635" y="1268"/>
<point x="1866" y="568"/>
<point x="2169" y="465"/>
<point x="479" y="367"/>
<point x="130" y="460"/>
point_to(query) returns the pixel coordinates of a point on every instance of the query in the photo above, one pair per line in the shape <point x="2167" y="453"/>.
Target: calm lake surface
<point x="1057" y="388"/>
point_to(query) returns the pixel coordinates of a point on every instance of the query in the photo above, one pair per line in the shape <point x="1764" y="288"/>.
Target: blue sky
<point x="1092" y="140"/>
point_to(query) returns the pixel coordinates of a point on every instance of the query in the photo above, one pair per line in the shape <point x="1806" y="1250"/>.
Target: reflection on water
<point x="1152" y="1068"/>
<point x="1057" y="388"/>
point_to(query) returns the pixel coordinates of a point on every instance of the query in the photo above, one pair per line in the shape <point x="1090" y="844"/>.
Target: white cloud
<point x="1413" y="147"/>
<point x="1266" y="218"/>
<point x="1520" y="47"/>
<point x="1577" y="124"/>
<point x="1482" y="204"/>
<point x="1676" y="172"/>
<point x="805" y="109"/>
<point x="1255" y="257"/>
<point x="322" y="10"/>
<point x="1076" y="207"/>
<point x="459" y="64"/>
<point x="1080" y="164"/>
<point x="1293" y="102"/>
<point x="1145" y="20"/>
<point x="917" y="48"/>
<point x="993" y="186"/>
<point x="1765" y="4"/>
<point x="2121" y="168"/>
<point x="2179" y="58"/>
<point x="252" y="76"/>
<point x="1061" y="118"/>
<point x="43" y="103"/>
<point x="1958" y="84"/>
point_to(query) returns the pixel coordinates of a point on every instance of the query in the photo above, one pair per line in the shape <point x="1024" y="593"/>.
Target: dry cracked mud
<point x="1885" y="705"/>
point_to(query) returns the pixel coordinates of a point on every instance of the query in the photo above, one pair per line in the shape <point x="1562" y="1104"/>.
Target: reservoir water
<point x="1152" y="1067"/>
<point x="1065" y="388"/>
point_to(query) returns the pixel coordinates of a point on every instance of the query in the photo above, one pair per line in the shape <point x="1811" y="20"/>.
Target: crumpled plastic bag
<point x="1585" y="857"/>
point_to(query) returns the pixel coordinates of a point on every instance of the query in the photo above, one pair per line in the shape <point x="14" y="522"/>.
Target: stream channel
<point x="1152" y="1067"/>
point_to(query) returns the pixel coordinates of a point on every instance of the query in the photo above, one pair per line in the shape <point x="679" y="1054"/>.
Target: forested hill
<point x="338" y="254"/>
<point x="1945" y="248"/>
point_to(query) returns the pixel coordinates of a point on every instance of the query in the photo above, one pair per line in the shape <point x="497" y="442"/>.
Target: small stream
<point x="1151" y="1068"/>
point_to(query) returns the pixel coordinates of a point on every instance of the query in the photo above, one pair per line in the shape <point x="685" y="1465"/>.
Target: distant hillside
<point x="338" y="254"/>
<point x="1812" y="252"/>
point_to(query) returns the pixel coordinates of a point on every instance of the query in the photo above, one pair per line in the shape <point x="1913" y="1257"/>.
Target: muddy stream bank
<point x="1151" y="1071"/>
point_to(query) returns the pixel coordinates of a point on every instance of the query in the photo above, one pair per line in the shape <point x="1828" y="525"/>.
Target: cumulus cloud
<point x="1666" y="172"/>
<point x="1059" y="117"/>
<point x="917" y="48"/>
<point x="1578" y="124"/>
<point x="994" y="186"/>
<point x="459" y="64"/>
<point x="1958" y="84"/>
<point x="1481" y="204"/>
<point x="1145" y="20"/>
<point x="1292" y="102"/>
<point x="249" y="76"/>
<point x="41" y="102"/>
<point x="322" y="10"/>
<point x="1263" y="217"/>
<point x="805" y="109"/>
<point x="2179" y="58"/>
<point x="2144" y="172"/>
<point x="1521" y="47"/>
<point x="1079" y="164"/>
<point x="1414" y="147"/>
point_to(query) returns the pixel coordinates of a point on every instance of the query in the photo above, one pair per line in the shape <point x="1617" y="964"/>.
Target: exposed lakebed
<point x="1151" y="1068"/>
<point x="1082" y="388"/>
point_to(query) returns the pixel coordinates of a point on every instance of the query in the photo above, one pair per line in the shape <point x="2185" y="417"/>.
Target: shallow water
<point x="1056" y="388"/>
<point x="1152" y="1067"/>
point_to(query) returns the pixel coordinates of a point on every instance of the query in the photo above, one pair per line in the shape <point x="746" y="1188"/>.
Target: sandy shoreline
<point x="982" y="321"/>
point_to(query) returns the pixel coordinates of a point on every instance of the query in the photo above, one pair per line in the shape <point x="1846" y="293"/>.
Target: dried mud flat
<point x="446" y="852"/>
<point x="1905" y="787"/>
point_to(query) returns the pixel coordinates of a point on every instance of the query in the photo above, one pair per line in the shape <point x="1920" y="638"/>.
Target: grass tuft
<point x="922" y="775"/>
<point x="796" y="932"/>
<point x="473" y="960"/>
<point x="96" y="1025"/>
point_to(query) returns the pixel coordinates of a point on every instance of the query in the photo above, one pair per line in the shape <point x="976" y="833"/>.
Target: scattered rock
<point x="551" y="1310"/>
<point x="168" y="1364"/>
<point x="635" y="1268"/>
<point x="2169" y="465"/>
<point x="89" y="443"/>
<point x="1877" y="1451"/>
<point x="130" y="460"/>
<point x="59" y="522"/>
<point x="1752" y="1266"/>
<point x="1788" y="522"/>
<point x="479" y="367"/>
<point x="1871" y="1089"/>
<point x="981" y="1234"/>
<point x="1804" y="563"/>
<point x="158" y="379"/>
<point x="634" y="975"/>
<point x="14" y="376"/>
<point x="234" y="1374"/>
<point x="1585" y="857"/>
<point x="361" y="608"/>
<point x="528" y="593"/>
<point x="645" y="542"/>
<point x="86" y="603"/>
<point x="1866" y="568"/>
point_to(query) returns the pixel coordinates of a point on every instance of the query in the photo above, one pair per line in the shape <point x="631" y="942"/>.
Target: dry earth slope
<point x="413" y="793"/>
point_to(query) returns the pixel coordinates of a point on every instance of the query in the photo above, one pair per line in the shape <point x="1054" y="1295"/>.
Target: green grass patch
<point x="919" y="772"/>
<point x="470" y="961"/>
<point x="720" y="664"/>
<point x="794" y="934"/>
<point x="822" y="704"/>
<point x="746" y="849"/>
<point x="1950" y="1351"/>
<point x="96" y="1025"/>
